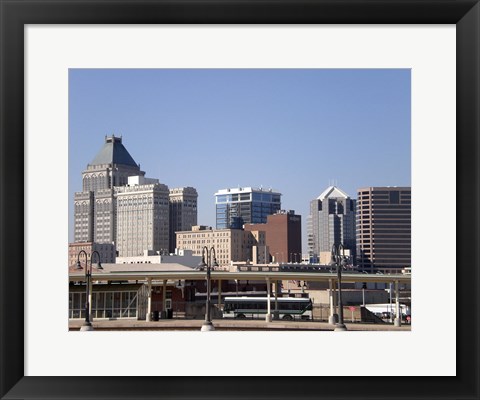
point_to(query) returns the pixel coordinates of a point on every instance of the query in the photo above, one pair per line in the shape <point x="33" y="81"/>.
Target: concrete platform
<point x="229" y="325"/>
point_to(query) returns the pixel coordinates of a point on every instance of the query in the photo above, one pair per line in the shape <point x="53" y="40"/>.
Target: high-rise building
<point x="283" y="236"/>
<point x="120" y="205"/>
<point x="183" y="212"/>
<point x="142" y="217"/>
<point x="384" y="227"/>
<point x="331" y="222"/>
<point x="239" y="206"/>
<point x="94" y="207"/>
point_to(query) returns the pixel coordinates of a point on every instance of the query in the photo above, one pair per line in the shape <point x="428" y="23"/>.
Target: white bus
<point x="289" y="308"/>
<point x="387" y="310"/>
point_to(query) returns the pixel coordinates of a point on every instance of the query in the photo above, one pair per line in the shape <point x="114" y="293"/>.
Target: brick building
<point x="283" y="236"/>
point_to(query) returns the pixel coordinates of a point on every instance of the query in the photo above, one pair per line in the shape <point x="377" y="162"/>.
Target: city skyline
<point x="295" y="131"/>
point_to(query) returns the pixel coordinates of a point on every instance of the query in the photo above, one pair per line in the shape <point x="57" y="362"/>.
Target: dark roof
<point x="113" y="152"/>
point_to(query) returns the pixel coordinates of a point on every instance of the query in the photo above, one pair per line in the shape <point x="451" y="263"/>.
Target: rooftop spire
<point x="113" y="152"/>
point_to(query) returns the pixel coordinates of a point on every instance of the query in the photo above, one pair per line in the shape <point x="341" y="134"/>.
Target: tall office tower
<point x="236" y="207"/>
<point x="332" y="221"/>
<point x="94" y="207"/>
<point x="283" y="236"/>
<point x="183" y="212"/>
<point x="384" y="217"/>
<point x="142" y="217"/>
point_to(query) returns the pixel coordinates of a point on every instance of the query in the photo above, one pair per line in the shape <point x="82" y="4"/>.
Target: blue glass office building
<point x="239" y="206"/>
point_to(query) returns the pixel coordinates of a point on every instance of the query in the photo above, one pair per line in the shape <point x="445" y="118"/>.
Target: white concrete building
<point x="181" y="257"/>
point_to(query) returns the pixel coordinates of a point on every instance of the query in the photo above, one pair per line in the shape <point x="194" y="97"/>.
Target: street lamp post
<point x="339" y="260"/>
<point x="87" y="325"/>
<point x="211" y="262"/>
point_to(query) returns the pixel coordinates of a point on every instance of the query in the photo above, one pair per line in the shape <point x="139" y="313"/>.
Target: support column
<point x="276" y="314"/>
<point x="90" y="295"/>
<point x="219" y="290"/>
<point x="332" y="318"/>
<point x="268" y="317"/>
<point x="398" y="317"/>
<point x="164" y="298"/>
<point x="149" y="301"/>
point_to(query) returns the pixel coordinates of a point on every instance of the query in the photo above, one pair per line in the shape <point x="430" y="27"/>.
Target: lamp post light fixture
<point x="87" y="325"/>
<point x="339" y="260"/>
<point x="211" y="262"/>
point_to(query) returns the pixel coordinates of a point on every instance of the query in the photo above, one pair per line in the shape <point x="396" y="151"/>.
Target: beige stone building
<point x="183" y="212"/>
<point x="106" y="251"/>
<point x="142" y="217"/>
<point x="230" y="244"/>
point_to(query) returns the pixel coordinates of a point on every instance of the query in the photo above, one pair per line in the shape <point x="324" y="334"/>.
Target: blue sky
<point x="294" y="130"/>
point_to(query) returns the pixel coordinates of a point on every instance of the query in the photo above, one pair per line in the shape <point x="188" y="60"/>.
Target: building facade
<point x="229" y="244"/>
<point x="331" y="222"/>
<point x="239" y="206"/>
<point x="106" y="251"/>
<point x="142" y="217"/>
<point x="182" y="257"/>
<point x="384" y="217"/>
<point x="183" y="212"/>
<point x="120" y="205"/>
<point x="283" y="233"/>
<point x="95" y="206"/>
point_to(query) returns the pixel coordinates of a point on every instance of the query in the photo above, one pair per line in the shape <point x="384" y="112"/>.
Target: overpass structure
<point x="154" y="274"/>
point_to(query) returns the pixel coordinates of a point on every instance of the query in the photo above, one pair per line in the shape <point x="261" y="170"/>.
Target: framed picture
<point x="20" y="286"/>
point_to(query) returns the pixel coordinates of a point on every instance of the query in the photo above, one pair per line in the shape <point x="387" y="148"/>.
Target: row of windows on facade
<point x="382" y="223"/>
<point x="403" y="239"/>
<point x="246" y="206"/>
<point x="128" y="202"/>
<point x="369" y="245"/>
<point x="406" y="213"/>
<point x="384" y="229"/>
<point x="223" y="246"/>
<point x="215" y="234"/>
<point x="397" y="229"/>
<point x="213" y="240"/>
<point x="383" y="192"/>
<point x="366" y="238"/>
<point x="257" y="197"/>
<point x="383" y="256"/>
<point x="384" y="198"/>
<point x="387" y="210"/>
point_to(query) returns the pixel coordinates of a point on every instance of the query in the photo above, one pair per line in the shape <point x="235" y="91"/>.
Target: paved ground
<point x="227" y="324"/>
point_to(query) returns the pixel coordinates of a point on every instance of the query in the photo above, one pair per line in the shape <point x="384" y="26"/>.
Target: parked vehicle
<point x="289" y="308"/>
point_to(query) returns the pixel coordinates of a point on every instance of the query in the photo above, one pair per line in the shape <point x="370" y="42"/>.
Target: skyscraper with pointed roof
<point x="95" y="206"/>
<point x="331" y="222"/>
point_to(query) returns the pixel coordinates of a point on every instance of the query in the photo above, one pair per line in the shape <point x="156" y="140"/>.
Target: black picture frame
<point x="15" y="14"/>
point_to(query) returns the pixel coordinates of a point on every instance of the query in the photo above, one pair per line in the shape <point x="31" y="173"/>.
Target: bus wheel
<point x="240" y="316"/>
<point x="287" y="317"/>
